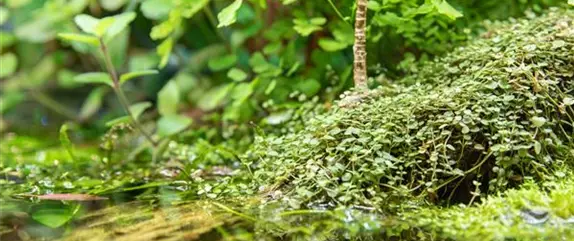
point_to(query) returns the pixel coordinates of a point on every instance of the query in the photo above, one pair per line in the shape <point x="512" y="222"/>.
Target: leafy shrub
<point x="479" y="120"/>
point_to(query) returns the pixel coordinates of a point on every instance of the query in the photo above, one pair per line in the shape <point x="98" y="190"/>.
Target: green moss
<point x="532" y="212"/>
<point x="480" y="120"/>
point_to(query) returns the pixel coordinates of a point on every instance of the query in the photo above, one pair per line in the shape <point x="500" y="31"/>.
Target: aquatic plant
<point x="480" y="120"/>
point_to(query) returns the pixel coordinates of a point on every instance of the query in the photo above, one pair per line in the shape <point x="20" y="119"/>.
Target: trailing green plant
<point x="478" y="121"/>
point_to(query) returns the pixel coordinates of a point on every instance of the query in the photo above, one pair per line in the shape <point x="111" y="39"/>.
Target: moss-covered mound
<point x="480" y="120"/>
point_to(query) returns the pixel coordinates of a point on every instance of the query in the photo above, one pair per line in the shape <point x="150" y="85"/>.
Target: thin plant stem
<point x="213" y="22"/>
<point x="120" y="93"/>
<point x="337" y="11"/>
<point x="53" y="105"/>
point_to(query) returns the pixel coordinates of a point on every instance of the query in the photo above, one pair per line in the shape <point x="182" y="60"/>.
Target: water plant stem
<point x="120" y="93"/>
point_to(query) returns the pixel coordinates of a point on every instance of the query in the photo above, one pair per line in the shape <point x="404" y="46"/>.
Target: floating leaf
<point x="172" y="124"/>
<point x="94" y="78"/>
<point x="228" y="15"/>
<point x="136" y="74"/>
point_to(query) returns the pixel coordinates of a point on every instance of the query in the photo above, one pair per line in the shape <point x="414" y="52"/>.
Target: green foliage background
<point x="268" y="57"/>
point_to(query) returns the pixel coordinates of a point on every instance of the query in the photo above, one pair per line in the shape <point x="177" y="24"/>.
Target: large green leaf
<point x="94" y="78"/>
<point x="172" y="124"/>
<point x="168" y="99"/>
<point x="228" y="15"/>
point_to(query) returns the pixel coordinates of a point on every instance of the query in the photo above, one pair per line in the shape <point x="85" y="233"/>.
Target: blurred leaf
<point x="9" y="64"/>
<point x="172" y="124"/>
<point x="10" y="99"/>
<point x="6" y="39"/>
<point x="92" y="104"/>
<point x="571" y="2"/>
<point x="222" y="63"/>
<point x="4" y="15"/>
<point x="66" y="79"/>
<point x="139" y="108"/>
<point x="53" y="216"/>
<point x="332" y="45"/>
<point x="156" y="9"/>
<point x="228" y="15"/>
<point x="164" y="51"/>
<point x="309" y="87"/>
<point x="214" y="97"/>
<point x="120" y="23"/>
<point x="164" y="29"/>
<point x="242" y="91"/>
<point x="445" y="8"/>
<point x="136" y="74"/>
<point x="237" y="75"/>
<point x="87" y="23"/>
<point x="65" y="140"/>
<point x="307" y="26"/>
<point x="103" y="26"/>
<point x="94" y="78"/>
<point x="112" y="5"/>
<point x="192" y="7"/>
<point x="136" y="109"/>
<point x="168" y="99"/>
<point x="91" y="40"/>
<point x="123" y="119"/>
